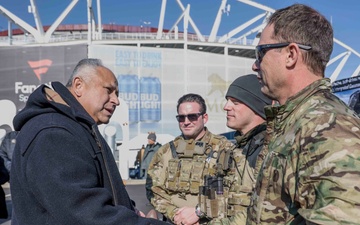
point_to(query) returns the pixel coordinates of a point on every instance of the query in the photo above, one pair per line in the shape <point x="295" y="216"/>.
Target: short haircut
<point x="191" y="97"/>
<point x="83" y="67"/>
<point x="302" y="24"/>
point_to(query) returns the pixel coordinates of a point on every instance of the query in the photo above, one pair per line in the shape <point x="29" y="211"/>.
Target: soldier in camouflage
<point x="245" y="113"/>
<point x="178" y="168"/>
<point x="311" y="172"/>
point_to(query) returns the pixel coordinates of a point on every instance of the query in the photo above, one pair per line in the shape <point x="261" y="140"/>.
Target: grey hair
<point x="84" y="69"/>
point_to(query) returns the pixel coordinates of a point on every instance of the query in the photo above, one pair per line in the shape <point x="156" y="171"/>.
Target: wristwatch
<point x="198" y="212"/>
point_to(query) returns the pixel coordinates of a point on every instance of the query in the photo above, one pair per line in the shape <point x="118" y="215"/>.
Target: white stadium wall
<point x="174" y="72"/>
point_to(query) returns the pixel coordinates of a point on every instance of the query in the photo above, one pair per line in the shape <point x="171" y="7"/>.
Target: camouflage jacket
<point x="312" y="171"/>
<point x="248" y="157"/>
<point x="168" y="201"/>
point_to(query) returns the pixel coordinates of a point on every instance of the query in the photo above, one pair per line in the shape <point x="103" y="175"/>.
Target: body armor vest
<point x="191" y="161"/>
<point x="194" y="169"/>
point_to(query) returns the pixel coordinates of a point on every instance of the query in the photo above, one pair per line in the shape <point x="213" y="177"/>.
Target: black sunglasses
<point x="261" y="50"/>
<point x="191" y="117"/>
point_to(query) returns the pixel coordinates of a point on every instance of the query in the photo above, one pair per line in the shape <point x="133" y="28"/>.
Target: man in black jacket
<point x="7" y="148"/>
<point x="4" y="177"/>
<point x="63" y="172"/>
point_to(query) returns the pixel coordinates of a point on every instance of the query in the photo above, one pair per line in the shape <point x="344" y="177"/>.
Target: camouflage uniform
<point x="248" y="157"/>
<point x="167" y="201"/>
<point x="312" y="171"/>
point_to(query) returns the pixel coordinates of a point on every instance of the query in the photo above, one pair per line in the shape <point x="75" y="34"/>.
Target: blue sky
<point x="345" y="16"/>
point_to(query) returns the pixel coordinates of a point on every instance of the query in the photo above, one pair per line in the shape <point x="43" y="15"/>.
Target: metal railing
<point x="67" y="37"/>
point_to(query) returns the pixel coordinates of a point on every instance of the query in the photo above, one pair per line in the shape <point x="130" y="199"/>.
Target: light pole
<point x="147" y="25"/>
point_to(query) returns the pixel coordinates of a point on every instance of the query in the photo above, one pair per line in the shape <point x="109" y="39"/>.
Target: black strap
<point x="173" y="150"/>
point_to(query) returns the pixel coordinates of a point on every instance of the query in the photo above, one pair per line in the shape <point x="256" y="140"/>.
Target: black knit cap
<point x="247" y="90"/>
<point x="152" y="136"/>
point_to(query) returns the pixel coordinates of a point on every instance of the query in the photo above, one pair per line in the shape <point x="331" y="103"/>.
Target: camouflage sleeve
<point x="226" y="144"/>
<point x="329" y="170"/>
<point x="161" y="200"/>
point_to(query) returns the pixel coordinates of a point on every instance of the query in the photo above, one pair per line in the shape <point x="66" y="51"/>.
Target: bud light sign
<point x="143" y="97"/>
<point x="150" y="98"/>
<point x="129" y="91"/>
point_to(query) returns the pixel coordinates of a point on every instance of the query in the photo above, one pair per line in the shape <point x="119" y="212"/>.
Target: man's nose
<point x="255" y="66"/>
<point x="115" y="100"/>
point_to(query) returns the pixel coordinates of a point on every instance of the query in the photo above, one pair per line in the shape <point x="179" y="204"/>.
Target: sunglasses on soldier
<point x="261" y="50"/>
<point x="191" y="117"/>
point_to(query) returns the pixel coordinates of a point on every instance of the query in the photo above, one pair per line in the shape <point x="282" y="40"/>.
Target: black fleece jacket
<point x="62" y="170"/>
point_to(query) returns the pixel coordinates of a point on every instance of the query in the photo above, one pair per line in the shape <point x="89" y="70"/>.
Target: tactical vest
<point x="213" y="195"/>
<point x="191" y="161"/>
<point x="224" y="200"/>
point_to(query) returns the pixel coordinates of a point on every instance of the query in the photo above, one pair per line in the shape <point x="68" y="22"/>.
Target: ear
<point x="205" y="118"/>
<point x="293" y="54"/>
<point x="78" y="85"/>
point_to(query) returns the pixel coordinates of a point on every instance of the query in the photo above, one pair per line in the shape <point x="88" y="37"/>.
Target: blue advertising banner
<point x="348" y="90"/>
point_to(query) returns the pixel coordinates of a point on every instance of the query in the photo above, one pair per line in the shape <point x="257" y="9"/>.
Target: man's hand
<point x="139" y="213"/>
<point x="152" y="214"/>
<point x="186" y="216"/>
